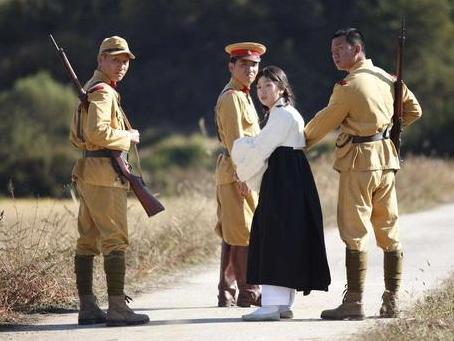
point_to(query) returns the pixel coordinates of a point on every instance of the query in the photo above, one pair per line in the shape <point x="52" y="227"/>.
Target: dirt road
<point x="187" y="311"/>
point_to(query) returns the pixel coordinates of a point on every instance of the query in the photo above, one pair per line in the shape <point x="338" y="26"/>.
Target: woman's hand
<point x="242" y="187"/>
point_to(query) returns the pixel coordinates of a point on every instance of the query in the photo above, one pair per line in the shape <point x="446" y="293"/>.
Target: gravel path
<point x="187" y="311"/>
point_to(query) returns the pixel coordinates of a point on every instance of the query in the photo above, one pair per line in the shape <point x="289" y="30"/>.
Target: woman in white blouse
<point x="287" y="249"/>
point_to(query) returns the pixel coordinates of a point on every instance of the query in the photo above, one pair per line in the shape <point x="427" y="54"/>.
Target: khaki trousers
<point x="235" y="214"/>
<point x="367" y="201"/>
<point x="102" y="220"/>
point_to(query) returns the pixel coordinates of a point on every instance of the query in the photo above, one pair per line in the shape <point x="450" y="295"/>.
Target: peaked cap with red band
<point x="247" y="50"/>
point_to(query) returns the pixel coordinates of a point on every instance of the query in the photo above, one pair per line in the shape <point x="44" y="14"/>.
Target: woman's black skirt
<point x="287" y="246"/>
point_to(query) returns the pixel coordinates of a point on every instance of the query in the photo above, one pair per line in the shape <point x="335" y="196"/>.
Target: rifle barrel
<point x="53" y="40"/>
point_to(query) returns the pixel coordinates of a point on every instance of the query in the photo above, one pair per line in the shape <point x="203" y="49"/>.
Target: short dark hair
<point x="352" y="36"/>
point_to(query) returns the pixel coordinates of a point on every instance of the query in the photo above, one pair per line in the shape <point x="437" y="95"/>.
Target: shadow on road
<point x="73" y="326"/>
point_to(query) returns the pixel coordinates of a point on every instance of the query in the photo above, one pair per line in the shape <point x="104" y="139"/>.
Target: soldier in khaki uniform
<point x="235" y="117"/>
<point x="362" y="106"/>
<point x="102" y="221"/>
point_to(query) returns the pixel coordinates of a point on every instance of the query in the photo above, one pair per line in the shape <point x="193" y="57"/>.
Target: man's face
<point x="344" y="55"/>
<point x="244" y="71"/>
<point x="114" y="66"/>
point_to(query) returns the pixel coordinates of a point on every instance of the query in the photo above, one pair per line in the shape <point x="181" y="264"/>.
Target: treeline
<point x="181" y="65"/>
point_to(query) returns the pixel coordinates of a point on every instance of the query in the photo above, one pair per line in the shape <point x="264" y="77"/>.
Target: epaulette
<point x="96" y="87"/>
<point x="227" y="92"/>
<point x="342" y="82"/>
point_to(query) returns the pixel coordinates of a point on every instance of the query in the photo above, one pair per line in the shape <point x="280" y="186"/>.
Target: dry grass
<point x="37" y="240"/>
<point x="37" y="237"/>
<point x="432" y="318"/>
<point x="421" y="183"/>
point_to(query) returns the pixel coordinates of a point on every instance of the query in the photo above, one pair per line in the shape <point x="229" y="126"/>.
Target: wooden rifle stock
<point x="396" y="130"/>
<point x="149" y="202"/>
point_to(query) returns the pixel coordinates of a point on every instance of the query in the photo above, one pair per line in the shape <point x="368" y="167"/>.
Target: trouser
<point x="276" y="295"/>
<point x="234" y="268"/>
<point x="234" y="213"/>
<point x="102" y="220"/>
<point x="367" y="201"/>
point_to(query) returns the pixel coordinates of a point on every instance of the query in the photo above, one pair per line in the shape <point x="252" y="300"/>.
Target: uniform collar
<point x="361" y="64"/>
<point x="234" y="84"/>
<point x="101" y="76"/>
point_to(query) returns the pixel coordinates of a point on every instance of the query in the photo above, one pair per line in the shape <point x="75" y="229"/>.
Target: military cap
<point x="115" y="45"/>
<point x="246" y="50"/>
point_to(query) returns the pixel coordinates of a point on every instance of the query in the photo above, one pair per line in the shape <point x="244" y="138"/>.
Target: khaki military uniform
<point x="102" y="222"/>
<point x="235" y="117"/>
<point x="362" y="105"/>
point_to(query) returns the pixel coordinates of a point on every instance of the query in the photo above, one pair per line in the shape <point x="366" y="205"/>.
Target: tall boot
<point x="119" y="314"/>
<point x="352" y="305"/>
<point x="89" y="311"/>
<point x="248" y="294"/>
<point x="393" y="276"/>
<point x="226" y="286"/>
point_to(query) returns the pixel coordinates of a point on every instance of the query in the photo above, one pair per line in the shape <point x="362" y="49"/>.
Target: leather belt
<point x="97" y="153"/>
<point x="376" y="137"/>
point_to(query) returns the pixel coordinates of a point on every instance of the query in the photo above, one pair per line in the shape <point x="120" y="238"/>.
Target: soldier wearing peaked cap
<point x="366" y="159"/>
<point x="102" y="222"/>
<point x="235" y="116"/>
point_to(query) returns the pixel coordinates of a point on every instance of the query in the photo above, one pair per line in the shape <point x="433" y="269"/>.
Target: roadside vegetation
<point x="37" y="236"/>
<point x="431" y="318"/>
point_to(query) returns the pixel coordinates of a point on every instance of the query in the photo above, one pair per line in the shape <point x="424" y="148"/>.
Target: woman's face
<point x="268" y="91"/>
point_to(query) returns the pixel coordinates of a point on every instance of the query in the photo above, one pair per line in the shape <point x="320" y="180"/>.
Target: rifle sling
<point x="80" y="135"/>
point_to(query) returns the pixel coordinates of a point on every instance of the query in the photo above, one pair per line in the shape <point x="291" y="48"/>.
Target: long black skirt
<point x="287" y="246"/>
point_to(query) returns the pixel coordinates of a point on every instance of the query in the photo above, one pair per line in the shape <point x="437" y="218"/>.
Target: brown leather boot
<point x="248" y="294"/>
<point x="89" y="311"/>
<point x="393" y="276"/>
<point x="226" y="286"/>
<point x="119" y="314"/>
<point x="389" y="307"/>
<point x="350" y="309"/>
<point x="352" y="305"/>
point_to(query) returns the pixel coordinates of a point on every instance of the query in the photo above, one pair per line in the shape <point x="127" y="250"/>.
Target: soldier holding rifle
<point x="362" y="106"/>
<point x="97" y="128"/>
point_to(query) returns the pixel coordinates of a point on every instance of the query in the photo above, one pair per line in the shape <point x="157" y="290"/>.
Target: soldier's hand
<point x="243" y="188"/>
<point x="134" y="135"/>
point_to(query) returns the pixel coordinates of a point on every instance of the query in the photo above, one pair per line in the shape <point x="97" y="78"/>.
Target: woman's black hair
<point x="278" y="76"/>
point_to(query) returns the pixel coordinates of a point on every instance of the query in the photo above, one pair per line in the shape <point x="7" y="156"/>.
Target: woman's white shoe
<point x="267" y="313"/>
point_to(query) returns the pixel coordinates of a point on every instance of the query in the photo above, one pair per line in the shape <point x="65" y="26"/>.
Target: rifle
<point x="396" y="130"/>
<point x="149" y="202"/>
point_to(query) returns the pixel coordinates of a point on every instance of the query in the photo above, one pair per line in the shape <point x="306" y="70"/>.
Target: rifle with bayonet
<point x="149" y="202"/>
<point x="396" y="130"/>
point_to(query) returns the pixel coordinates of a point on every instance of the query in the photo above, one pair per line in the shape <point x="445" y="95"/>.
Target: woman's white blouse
<point x="285" y="127"/>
